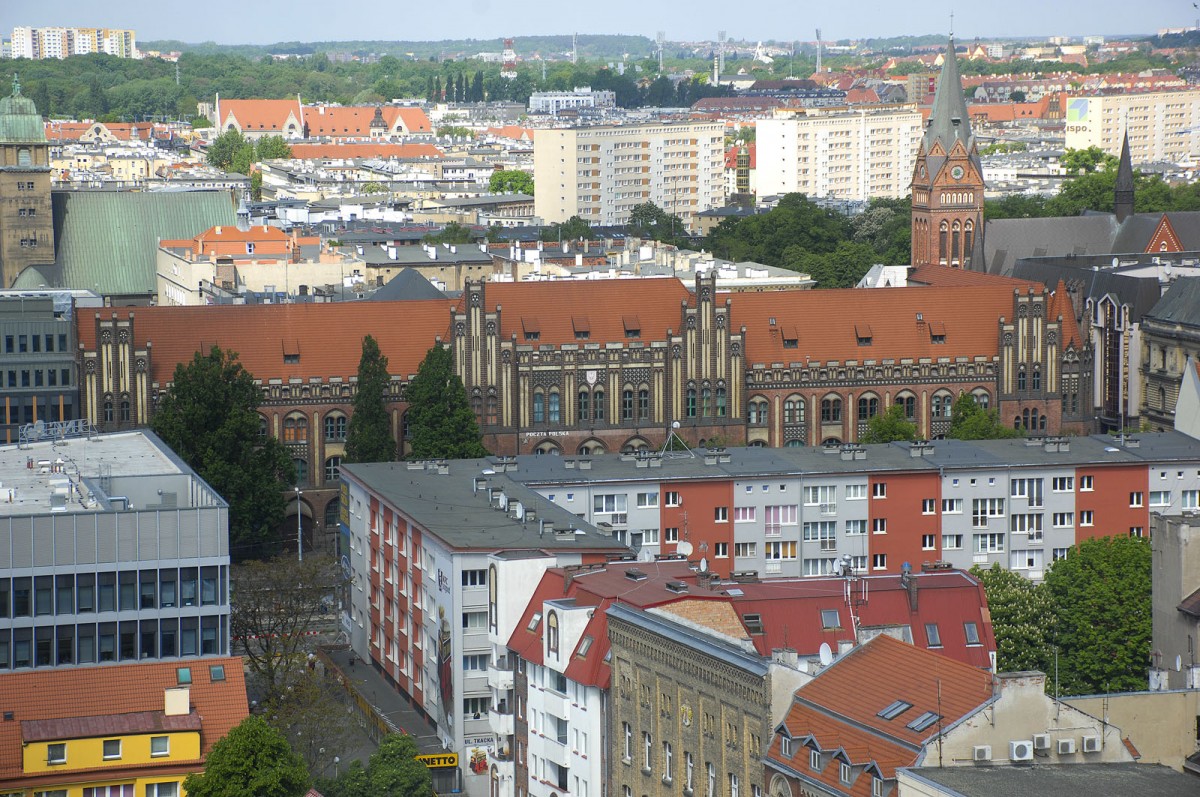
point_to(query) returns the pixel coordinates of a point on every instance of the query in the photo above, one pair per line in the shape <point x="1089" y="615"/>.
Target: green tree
<point x="313" y="715"/>
<point x="510" y="181"/>
<point x="969" y="421"/>
<point x="272" y="147"/>
<point x="890" y="426"/>
<point x="452" y="233"/>
<point x="369" y="438"/>
<point x="649" y="221"/>
<point x="1022" y="615"/>
<point x="1017" y="96"/>
<point x="252" y="760"/>
<point x="440" y="420"/>
<point x="841" y="268"/>
<point x="392" y="770"/>
<point x="224" y="148"/>
<point x="374" y="187"/>
<point x="209" y="417"/>
<point x="256" y="180"/>
<point x="1091" y="159"/>
<point x="575" y="228"/>
<point x="1102" y="614"/>
<point x="1016" y="206"/>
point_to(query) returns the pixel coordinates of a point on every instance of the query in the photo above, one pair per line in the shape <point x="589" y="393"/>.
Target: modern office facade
<point x="111" y="550"/>
<point x="601" y="173"/>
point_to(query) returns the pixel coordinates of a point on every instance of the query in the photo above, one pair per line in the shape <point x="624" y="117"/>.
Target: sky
<point x="257" y="22"/>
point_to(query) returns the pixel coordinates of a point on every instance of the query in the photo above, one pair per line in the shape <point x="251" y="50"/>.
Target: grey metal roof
<point x="1063" y="780"/>
<point x="108" y="242"/>
<point x="409" y="284"/>
<point x="948" y="119"/>
<point x="1180" y="304"/>
<point x="20" y="122"/>
<point x="1006" y="241"/>
<point x="1095" y="278"/>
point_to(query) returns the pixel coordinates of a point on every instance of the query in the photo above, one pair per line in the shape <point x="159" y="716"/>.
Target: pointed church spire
<point x="1123" y="190"/>
<point x="948" y="119"/>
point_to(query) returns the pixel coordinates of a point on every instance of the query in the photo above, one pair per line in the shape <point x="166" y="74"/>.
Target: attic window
<point x="291" y="351"/>
<point x="830" y="619"/>
<point x="924" y="721"/>
<point x="531" y="328"/>
<point x="583" y="329"/>
<point x="791" y="337"/>
<point x="937" y="332"/>
<point x="633" y="574"/>
<point x="585" y="645"/>
<point x="633" y="326"/>
<point x="862" y="332"/>
<point x="894" y="710"/>
<point x="291" y="359"/>
<point x="183" y="675"/>
<point x="533" y="621"/>
<point x="754" y="623"/>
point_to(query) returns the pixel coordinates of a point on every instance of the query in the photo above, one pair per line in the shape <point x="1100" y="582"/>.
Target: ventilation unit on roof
<point x="1091" y="744"/>
<point x="1041" y="741"/>
<point x="1020" y="750"/>
<point x="753" y="623"/>
<point x="677" y="586"/>
<point x="983" y="752"/>
<point x="1066" y="746"/>
<point x="633" y="574"/>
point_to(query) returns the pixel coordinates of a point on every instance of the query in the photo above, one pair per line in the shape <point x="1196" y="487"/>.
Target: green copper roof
<point x="108" y="241"/>
<point x="20" y="122"/>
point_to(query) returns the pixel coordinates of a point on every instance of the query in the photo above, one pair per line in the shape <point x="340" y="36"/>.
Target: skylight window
<point x="894" y="710"/>
<point x="533" y="621"/>
<point x="924" y="721"/>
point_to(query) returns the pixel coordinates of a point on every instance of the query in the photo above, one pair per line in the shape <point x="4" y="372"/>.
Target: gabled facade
<point x="947" y="183"/>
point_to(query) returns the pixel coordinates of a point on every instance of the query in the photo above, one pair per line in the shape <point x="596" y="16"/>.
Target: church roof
<point x="408" y="285"/>
<point x="20" y="122"/>
<point x="949" y="120"/>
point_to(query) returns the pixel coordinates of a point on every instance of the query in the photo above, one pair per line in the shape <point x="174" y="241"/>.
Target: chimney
<point x="177" y="701"/>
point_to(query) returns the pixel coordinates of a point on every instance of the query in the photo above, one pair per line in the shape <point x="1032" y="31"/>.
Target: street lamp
<point x="299" y="534"/>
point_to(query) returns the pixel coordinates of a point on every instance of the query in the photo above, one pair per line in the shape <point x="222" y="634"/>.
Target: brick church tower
<point x="947" y="183"/>
<point x="26" y="220"/>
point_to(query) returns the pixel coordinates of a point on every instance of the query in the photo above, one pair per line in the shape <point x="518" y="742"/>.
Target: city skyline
<point x="226" y="22"/>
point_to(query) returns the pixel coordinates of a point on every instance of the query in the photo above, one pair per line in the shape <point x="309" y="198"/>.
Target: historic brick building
<point x="26" y="222"/>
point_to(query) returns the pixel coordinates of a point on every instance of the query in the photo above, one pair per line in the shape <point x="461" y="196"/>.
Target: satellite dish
<point x="826" y="654"/>
<point x="1178" y="664"/>
<point x="684" y="548"/>
<point x="675" y="424"/>
<point x="703" y="564"/>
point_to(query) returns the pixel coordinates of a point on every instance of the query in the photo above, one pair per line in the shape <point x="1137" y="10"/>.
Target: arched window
<point x="757" y="414"/>
<point x="539" y="407"/>
<point x="941" y="405"/>
<point x="691" y="402"/>
<point x="547" y="447"/>
<point x="335" y="427"/>
<point x="554" y="413"/>
<point x="598" y="405"/>
<point x="627" y="404"/>
<point x="909" y="402"/>
<point x="125" y="411"/>
<point x="831" y="410"/>
<point x="477" y="404"/>
<point x="590" y="448"/>
<point x="706" y="402"/>
<point x="1042" y="422"/>
<point x="982" y="399"/>
<point x="264" y="426"/>
<point x="333" y="514"/>
<point x="868" y="407"/>
<point x="333" y="469"/>
<point x="720" y="402"/>
<point x="1162" y="399"/>
<point x="954" y="242"/>
<point x="301" y="466"/>
<point x="968" y="235"/>
<point x="295" y="429"/>
<point x="405" y="427"/>
<point x="1021" y="381"/>
<point x="1037" y="377"/>
<point x="943" y="231"/>
<point x="793" y="444"/>
<point x="644" y="404"/>
<point x="492" y="408"/>
<point x="552" y="632"/>
<point x="583" y="404"/>
<point x="793" y="410"/>
<point x="1025" y="418"/>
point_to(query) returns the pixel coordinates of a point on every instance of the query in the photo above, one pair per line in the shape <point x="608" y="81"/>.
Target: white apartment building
<point x="601" y="173"/>
<point x="552" y="102"/>
<point x="58" y="42"/>
<point x="838" y="152"/>
<point x="1162" y="125"/>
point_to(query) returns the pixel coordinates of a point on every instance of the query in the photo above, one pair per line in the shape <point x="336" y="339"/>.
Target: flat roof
<point x="455" y="506"/>
<point x="1066" y="780"/>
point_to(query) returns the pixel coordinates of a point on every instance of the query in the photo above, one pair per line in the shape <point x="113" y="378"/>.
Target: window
<point x="929" y="506"/>
<point x="933" y="635"/>
<point x="928" y="542"/>
<point x="691" y="402"/>
<point x="335" y="427"/>
<point x="845" y="774"/>
<point x="627" y="750"/>
<point x="644" y="404"/>
<point x="856" y="492"/>
<point x="830" y="619"/>
<point x="721" y="550"/>
<point x="161" y="790"/>
<point x="583" y="405"/>
<point x="744" y="514"/>
<point x="474" y="578"/>
<point x="1160" y="498"/>
<point x="474" y="621"/>
<point x="1062" y="484"/>
<point x="952" y="506"/>
<point x="1136" y="499"/>
<point x="671" y="533"/>
<point x="876" y="787"/>
<point x="984" y="508"/>
<point x="820" y="495"/>
<point x="879" y="490"/>
<point x="721" y="514"/>
<point x="868" y="407"/>
<point x="711" y="787"/>
<point x="1087" y="518"/>
<point x="923" y="721"/>
<point x="1137" y="531"/>
<point x="734" y="785"/>
<point x="879" y="525"/>
<point x="160" y="745"/>
<point x="745" y="550"/>
<point x="647" y="751"/>
<point x="476" y="707"/>
<point x="688" y="767"/>
<point x="56" y="753"/>
<point x="1086" y="483"/>
<point x="647" y="500"/>
<point x="627" y="405"/>
<point x="539" y="407"/>
<point x="972" y="633"/>
<point x="823" y="532"/>
<point x="295" y="429"/>
<point x="831" y="410"/>
<point x="183" y="675"/>
<point x="952" y="542"/>
<point x="475" y="661"/>
<point x="666" y="776"/>
<point x="776" y="517"/>
<point x="673" y="499"/>
<point x="216" y="672"/>
<point x="780" y="550"/>
<point x="757" y="412"/>
<point x="894" y="709"/>
<point x="1190" y="499"/>
<point x="879" y="561"/>
<point x="856" y="527"/>
<point x="112" y="749"/>
<point x="814" y="760"/>
<point x="989" y="543"/>
<point x="1059" y="553"/>
<point x="333" y="469"/>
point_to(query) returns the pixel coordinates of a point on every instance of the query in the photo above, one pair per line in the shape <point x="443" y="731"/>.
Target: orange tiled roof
<point x="381" y="149"/>
<point x="512" y="131"/>
<point x="947" y="277"/>
<point x="328" y="336"/>
<point x="827" y="323"/>
<point x="414" y="119"/>
<point x="259" y="115"/>
<point x="230" y="240"/>
<point x="114" y="690"/>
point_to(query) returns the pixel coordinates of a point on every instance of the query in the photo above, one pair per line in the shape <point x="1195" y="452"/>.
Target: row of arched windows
<point x="958" y="197"/>
<point x="1031" y="379"/>
<point x="869" y="405"/>
<point x="591" y="447"/>
<point x="955" y="240"/>
<point x="295" y="427"/>
<point x="706" y="406"/>
<point x="333" y="467"/>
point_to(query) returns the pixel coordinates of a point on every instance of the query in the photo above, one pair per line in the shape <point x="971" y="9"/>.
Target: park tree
<point x="452" y="233"/>
<point x="252" y="760"/>
<point x="842" y="268"/>
<point x="1021" y="619"/>
<point x="393" y="769"/>
<point x="226" y="148"/>
<point x="275" y="603"/>
<point x="369" y="437"/>
<point x="209" y="417"/>
<point x="440" y="421"/>
<point x="575" y="228"/>
<point x="315" y="716"/>
<point x="969" y="421"/>
<point x="510" y="181"/>
<point x="890" y="426"/>
<point x="272" y="147"/>
<point x="1102" y="614"/>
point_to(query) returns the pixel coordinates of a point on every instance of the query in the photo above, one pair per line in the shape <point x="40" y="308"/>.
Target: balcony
<point x="501" y="719"/>
<point x="555" y="703"/>
<point x="500" y="675"/>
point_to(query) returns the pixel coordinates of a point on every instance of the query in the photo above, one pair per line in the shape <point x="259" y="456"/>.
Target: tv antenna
<point x="721" y="39"/>
<point x="659" y="38"/>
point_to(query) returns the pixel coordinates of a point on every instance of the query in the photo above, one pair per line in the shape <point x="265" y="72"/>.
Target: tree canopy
<point x="233" y="152"/>
<point x="209" y="417"/>
<point x="649" y="221"/>
<point x="452" y="233"/>
<point x="1022" y="617"/>
<point x="890" y="426"/>
<point x="575" y="228"/>
<point x="440" y="421"/>
<point x="969" y="421"/>
<point x="510" y="181"/>
<point x="252" y="760"/>
<point x="370" y="438"/>
<point x="392" y="770"/>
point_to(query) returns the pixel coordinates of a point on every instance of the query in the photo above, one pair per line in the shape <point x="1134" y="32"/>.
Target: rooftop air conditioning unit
<point x="1041" y="741"/>
<point x="1066" y="746"/>
<point x="1091" y="744"/>
<point x="1021" y="750"/>
<point x="983" y="752"/>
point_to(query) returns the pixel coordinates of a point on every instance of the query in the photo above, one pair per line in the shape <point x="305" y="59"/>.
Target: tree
<point x="510" y="181"/>
<point x="272" y="147"/>
<point x="1022" y="615"/>
<point x="373" y="187"/>
<point x="452" y="233"/>
<point x="1017" y="96"/>
<point x="392" y="770"/>
<point x="369" y="437"/>
<point x="210" y="418"/>
<point x="575" y="228"/>
<point x="890" y="426"/>
<point x="313" y="715"/>
<point x="841" y="268"/>
<point x="274" y="604"/>
<point x="252" y="760"/>
<point x="1102" y="614"/>
<point x="1091" y="159"/>
<point x="256" y="182"/>
<point x="969" y="421"/>
<point x="224" y="148"/>
<point x="440" y="421"/>
<point x="648" y="220"/>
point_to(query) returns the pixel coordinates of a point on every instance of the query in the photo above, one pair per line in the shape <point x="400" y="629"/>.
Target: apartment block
<point x="842" y="153"/>
<point x="60" y="42"/>
<point x="1162" y="125"/>
<point x="601" y="173"/>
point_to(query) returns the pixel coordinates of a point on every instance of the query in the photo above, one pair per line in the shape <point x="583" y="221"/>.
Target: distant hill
<point x="590" y="46"/>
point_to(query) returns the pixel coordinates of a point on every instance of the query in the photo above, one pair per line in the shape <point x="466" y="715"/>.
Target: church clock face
<point x="957" y="172"/>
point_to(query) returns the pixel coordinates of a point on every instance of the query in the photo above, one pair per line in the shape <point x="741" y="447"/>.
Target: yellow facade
<point x="125" y="752"/>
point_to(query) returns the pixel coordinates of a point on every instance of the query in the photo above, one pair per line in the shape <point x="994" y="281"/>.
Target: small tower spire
<point x="1123" y="190"/>
<point x="16" y="85"/>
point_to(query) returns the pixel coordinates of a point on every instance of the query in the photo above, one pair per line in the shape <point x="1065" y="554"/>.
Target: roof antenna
<point x="951" y="22"/>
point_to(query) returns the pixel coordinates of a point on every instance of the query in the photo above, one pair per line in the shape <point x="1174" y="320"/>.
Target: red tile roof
<point x="380" y="149"/>
<point x="108" y="725"/>
<point x="266" y="116"/>
<point x="328" y="335"/>
<point x="512" y="131"/>
<point x="355" y="121"/>
<point x="947" y="277"/>
<point x="826" y="321"/>
<point x="37" y="698"/>
<point x="731" y="156"/>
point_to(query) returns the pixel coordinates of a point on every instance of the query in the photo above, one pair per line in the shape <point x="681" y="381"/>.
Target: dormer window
<point x="791" y="337"/>
<point x="862" y="333"/>
<point x="583" y="329"/>
<point x="633" y="326"/>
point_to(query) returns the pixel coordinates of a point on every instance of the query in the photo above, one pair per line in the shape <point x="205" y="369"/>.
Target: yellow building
<point x="115" y="731"/>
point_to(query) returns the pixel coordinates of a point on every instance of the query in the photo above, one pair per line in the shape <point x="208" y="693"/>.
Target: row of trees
<point x="968" y="421"/>
<point x="1087" y="625"/>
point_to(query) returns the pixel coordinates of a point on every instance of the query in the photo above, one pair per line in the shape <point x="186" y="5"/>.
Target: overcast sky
<point x="254" y="21"/>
